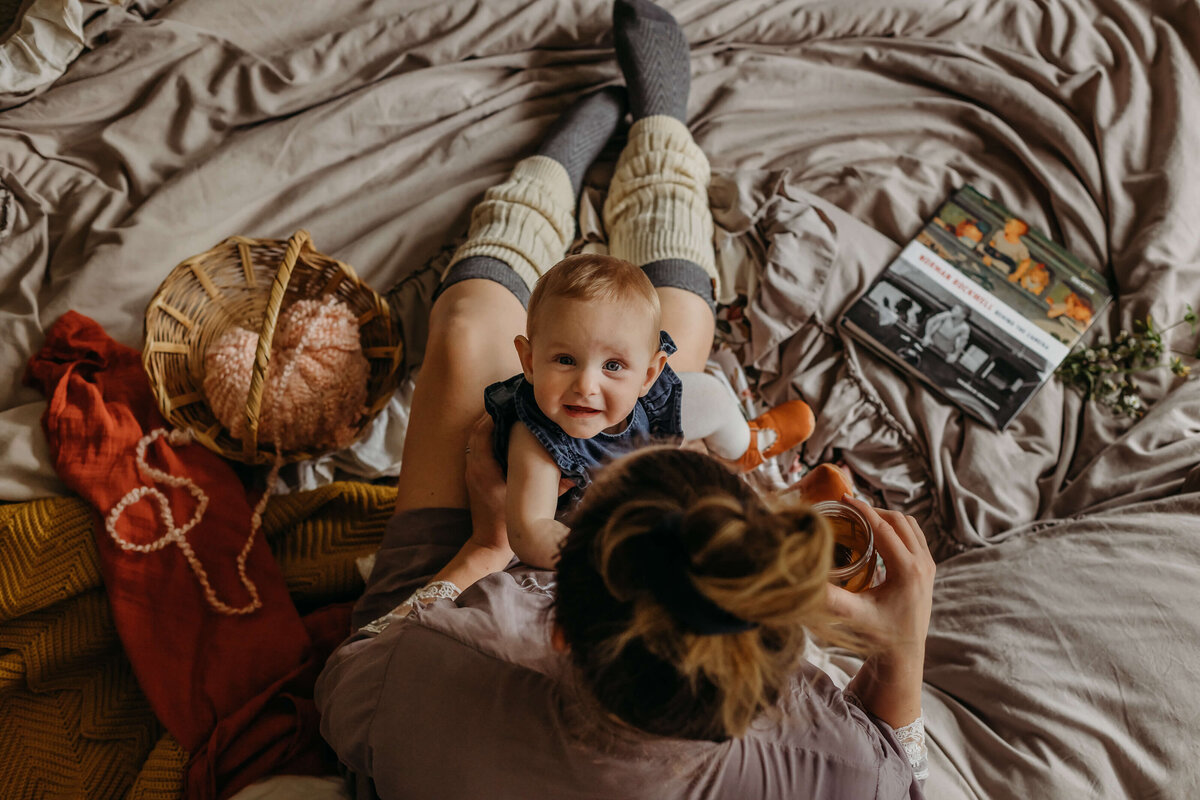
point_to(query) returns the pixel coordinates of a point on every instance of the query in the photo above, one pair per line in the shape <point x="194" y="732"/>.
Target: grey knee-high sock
<point x="653" y="54"/>
<point x="679" y="273"/>
<point x="492" y="269"/>
<point x="578" y="136"/>
<point x="574" y="141"/>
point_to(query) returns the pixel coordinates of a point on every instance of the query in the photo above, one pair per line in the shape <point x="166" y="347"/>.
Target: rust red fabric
<point x="235" y="691"/>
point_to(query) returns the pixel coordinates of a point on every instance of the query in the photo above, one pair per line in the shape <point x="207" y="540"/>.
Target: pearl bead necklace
<point x="178" y="534"/>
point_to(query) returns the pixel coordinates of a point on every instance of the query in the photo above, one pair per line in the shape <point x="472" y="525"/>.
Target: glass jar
<point x="853" y="545"/>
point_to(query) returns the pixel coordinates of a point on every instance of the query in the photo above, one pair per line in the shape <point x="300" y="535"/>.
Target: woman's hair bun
<point x="676" y="567"/>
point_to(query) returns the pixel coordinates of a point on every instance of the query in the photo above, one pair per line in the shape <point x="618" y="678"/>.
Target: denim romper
<point x="657" y="416"/>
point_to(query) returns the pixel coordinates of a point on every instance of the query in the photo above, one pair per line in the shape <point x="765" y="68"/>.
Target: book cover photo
<point x="980" y="306"/>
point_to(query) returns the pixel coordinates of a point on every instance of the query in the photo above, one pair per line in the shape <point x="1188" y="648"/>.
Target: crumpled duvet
<point x="966" y="484"/>
<point x="836" y="129"/>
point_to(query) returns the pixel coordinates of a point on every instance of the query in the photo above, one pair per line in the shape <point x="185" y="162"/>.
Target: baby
<point x="595" y="383"/>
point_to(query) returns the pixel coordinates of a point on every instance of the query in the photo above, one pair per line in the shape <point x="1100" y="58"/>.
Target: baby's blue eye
<point x="613" y="366"/>
<point x="566" y="361"/>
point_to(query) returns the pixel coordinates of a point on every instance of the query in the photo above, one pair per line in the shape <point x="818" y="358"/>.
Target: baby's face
<point x="589" y="362"/>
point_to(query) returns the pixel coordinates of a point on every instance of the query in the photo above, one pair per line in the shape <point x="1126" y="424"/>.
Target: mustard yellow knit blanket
<point x="73" y="723"/>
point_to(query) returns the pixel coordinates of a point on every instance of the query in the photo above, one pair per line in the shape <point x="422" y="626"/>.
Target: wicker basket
<point x="246" y="282"/>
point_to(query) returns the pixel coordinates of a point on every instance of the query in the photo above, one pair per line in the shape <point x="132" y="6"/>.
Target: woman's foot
<point x="777" y="431"/>
<point x="578" y="136"/>
<point x="654" y="57"/>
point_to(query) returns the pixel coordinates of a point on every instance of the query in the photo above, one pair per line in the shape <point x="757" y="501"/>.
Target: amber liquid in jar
<point x="853" y="545"/>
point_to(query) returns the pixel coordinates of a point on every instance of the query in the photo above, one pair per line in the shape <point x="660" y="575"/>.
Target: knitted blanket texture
<point x="73" y="721"/>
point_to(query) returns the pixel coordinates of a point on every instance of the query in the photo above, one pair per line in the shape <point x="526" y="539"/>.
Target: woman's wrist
<point x="889" y="685"/>
<point x="900" y="661"/>
<point x="474" y="561"/>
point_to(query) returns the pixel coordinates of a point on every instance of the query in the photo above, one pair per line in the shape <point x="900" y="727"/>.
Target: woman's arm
<point x="533" y="483"/>
<point x="894" y="616"/>
<point x="487" y="550"/>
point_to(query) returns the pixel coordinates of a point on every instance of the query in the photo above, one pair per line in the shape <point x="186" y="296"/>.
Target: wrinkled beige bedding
<point x="836" y="129"/>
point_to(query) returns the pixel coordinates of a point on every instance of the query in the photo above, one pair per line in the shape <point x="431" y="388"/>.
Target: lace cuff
<point x="429" y="592"/>
<point x="911" y="738"/>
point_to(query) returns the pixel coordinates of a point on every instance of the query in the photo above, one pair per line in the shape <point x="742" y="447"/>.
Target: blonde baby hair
<point x="595" y="276"/>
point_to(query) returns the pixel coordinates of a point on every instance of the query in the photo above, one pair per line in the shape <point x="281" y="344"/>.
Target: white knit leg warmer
<point x="657" y="205"/>
<point x="527" y="222"/>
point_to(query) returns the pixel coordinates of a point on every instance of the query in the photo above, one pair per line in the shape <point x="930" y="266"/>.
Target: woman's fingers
<point x="903" y="529"/>
<point x="901" y="542"/>
<point x="887" y="541"/>
<point x="867" y="613"/>
<point x="481" y="464"/>
<point x="849" y="607"/>
<point x="839" y="601"/>
<point x="481" y="433"/>
<point x="922" y="541"/>
<point x="912" y="535"/>
<point x="479" y="440"/>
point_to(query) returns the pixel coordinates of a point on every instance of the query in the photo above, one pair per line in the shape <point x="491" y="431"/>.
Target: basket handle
<point x="262" y="356"/>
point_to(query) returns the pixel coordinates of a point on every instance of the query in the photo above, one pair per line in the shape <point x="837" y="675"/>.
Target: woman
<point x="668" y="664"/>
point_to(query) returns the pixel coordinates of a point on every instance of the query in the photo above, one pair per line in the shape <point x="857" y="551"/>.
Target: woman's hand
<point x="487" y="550"/>
<point x="486" y="495"/>
<point x="894" y="616"/>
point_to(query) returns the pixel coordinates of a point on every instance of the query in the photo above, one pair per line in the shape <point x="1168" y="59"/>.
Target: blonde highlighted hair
<point x="762" y="563"/>
<point x="594" y="276"/>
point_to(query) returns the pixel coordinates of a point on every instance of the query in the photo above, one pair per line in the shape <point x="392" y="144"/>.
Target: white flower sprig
<point x="1105" y="372"/>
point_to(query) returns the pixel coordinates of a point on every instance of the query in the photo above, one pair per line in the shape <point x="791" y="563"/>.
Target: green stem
<point x="1131" y="370"/>
<point x="1172" y="327"/>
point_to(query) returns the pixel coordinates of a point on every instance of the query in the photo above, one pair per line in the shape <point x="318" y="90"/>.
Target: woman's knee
<point x="473" y="323"/>
<point x="689" y="319"/>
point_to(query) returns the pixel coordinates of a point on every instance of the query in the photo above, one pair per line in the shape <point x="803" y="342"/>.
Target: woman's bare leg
<point x="471" y="331"/>
<point x="689" y="319"/>
<point x="520" y="229"/>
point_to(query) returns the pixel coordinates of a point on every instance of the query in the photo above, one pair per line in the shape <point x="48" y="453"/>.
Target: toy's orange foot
<point x="793" y="422"/>
<point x="824" y="482"/>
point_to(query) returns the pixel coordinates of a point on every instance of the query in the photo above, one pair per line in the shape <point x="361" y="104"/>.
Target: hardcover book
<point x="980" y="306"/>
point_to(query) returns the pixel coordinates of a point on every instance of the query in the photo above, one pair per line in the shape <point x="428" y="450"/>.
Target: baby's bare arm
<point x="533" y="488"/>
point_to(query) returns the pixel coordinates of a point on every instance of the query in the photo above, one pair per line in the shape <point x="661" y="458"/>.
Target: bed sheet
<point x="377" y="127"/>
<point x="835" y="129"/>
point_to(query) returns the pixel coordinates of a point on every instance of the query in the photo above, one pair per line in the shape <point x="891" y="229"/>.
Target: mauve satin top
<point x="468" y="699"/>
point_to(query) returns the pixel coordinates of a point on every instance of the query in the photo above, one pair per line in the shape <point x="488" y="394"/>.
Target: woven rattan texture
<point x="73" y="722"/>
<point x="247" y="282"/>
